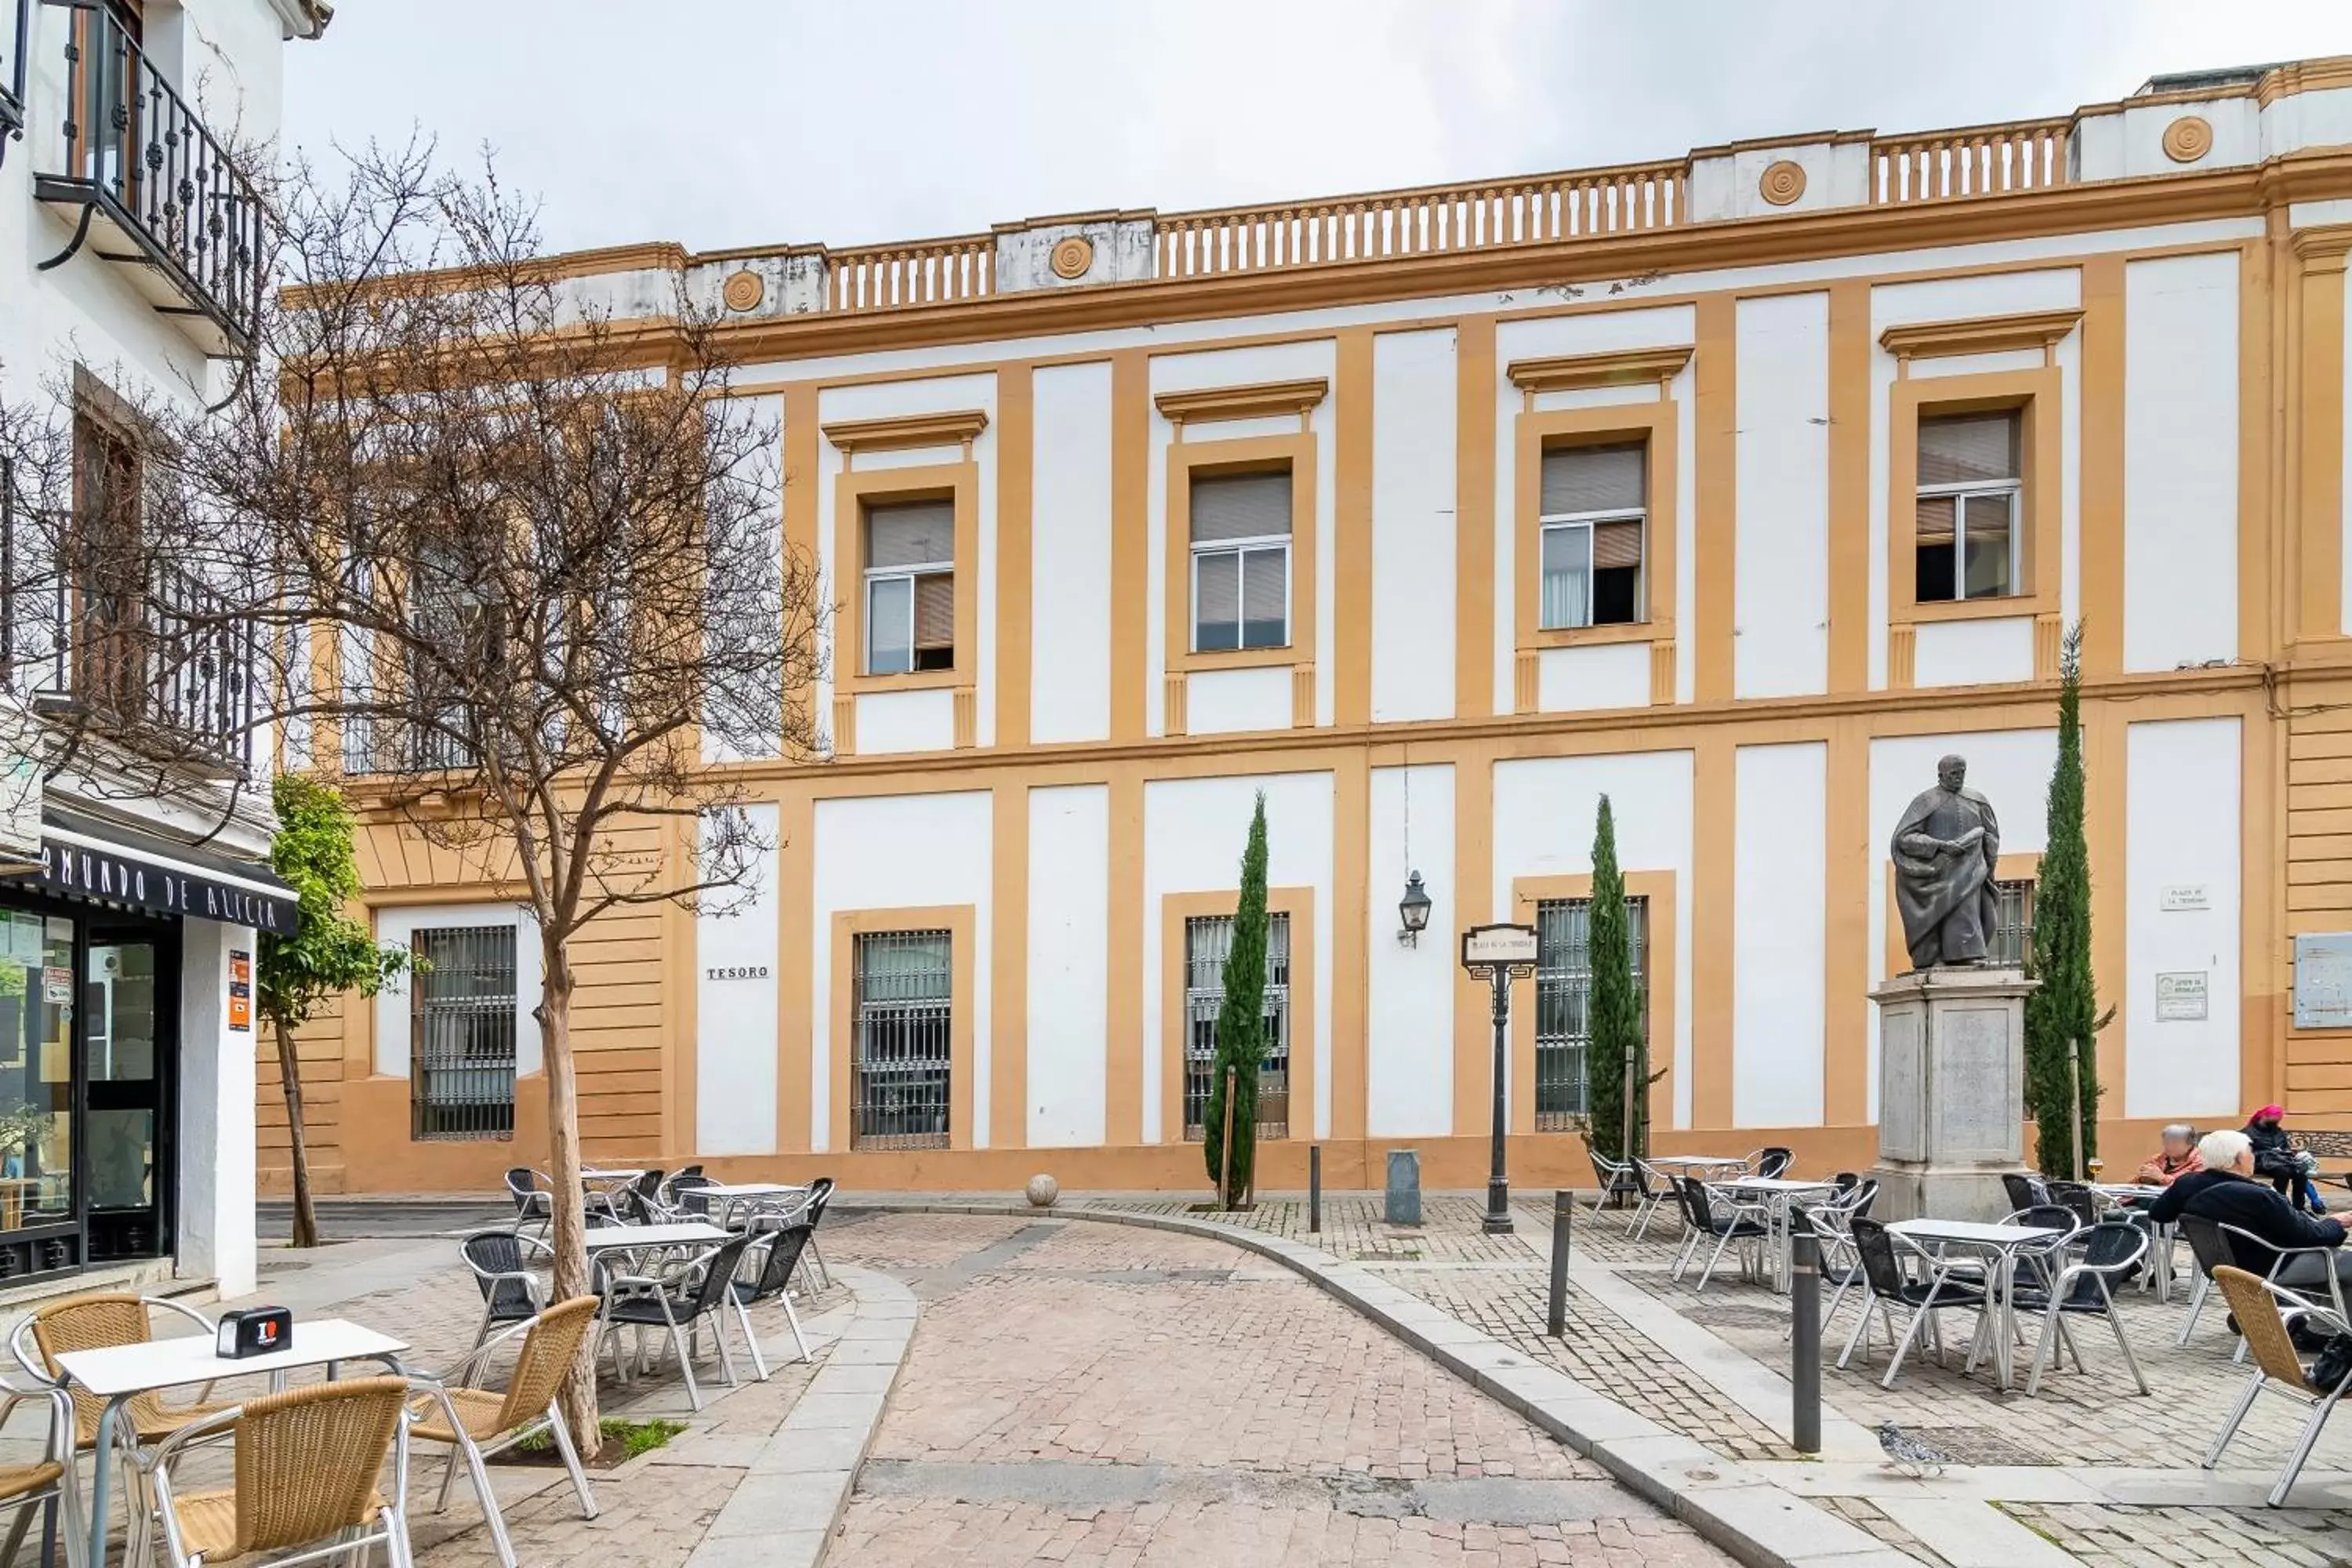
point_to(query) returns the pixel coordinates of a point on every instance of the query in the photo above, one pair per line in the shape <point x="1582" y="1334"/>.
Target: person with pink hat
<point x="2277" y="1160"/>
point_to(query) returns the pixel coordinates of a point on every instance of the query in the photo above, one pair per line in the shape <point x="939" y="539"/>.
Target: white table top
<point x="2126" y="1189"/>
<point x="1694" y="1160"/>
<point x="744" y="1190"/>
<point x="692" y="1232"/>
<point x="1975" y="1232"/>
<point x="1773" y="1184"/>
<point x="617" y="1173"/>
<point x="190" y="1358"/>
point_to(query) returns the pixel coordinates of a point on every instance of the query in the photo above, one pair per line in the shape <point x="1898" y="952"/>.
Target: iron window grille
<point x="905" y="1015"/>
<point x="461" y="1039"/>
<point x="2011" y="943"/>
<point x="1208" y="942"/>
<point x="1563" y="1002"/>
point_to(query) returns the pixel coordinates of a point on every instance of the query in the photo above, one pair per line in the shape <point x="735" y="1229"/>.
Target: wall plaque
<point x="2180" y="995"/>
<point x="2323" y="980"/>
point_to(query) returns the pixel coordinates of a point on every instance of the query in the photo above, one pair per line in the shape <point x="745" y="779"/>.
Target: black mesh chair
<point x="820" y="1195"/>
<point x="2024" y="1192"/>
<point x="2211" y="1251"/>
<point x="1712" y="1213"/>
<point x="679" y="1305"/>
<point x="534" y="1204"/>
<point x="1772" y="1163"/>
<point x="1890" y="1286"/>
<point x="2082" y="1288"/>
<point x="2078" y="1198"/>
<point x="686" y="1197"/>
<point x="772" y="1281"/>
<point x="511" y="1293"/>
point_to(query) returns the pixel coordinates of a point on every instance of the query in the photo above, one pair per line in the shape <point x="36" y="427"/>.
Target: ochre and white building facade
<point x="1738" y="487"/>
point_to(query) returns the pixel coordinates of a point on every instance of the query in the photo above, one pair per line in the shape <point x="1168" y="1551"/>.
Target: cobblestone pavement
<point x="1092" y="1394"/>
<point x="2110" y="1537"/>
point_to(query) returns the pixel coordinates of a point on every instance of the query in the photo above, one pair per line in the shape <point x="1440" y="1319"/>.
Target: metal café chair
<point x="534" y="1204"/>
<point x="2277" y="1367"/>
<point x="771" y="1281"/>
<point x="511" y="1292"/>
<point x="2216" y="1245"/>
<point x="305" y="1480"/>
<point x="1943" y="1290"/>
<point x="820" y="1197"/>
<point x="1727" y="1219"/>
<point x="2024" y="1191"/>
<point x="2076" y="1197"/>
<point x="685" y="1197"/>
<point x="1771" y="1162"/>
<point x="30" y="1488"/>
<point x="677" y="1305"/>
<point x="2083" y="1287"/>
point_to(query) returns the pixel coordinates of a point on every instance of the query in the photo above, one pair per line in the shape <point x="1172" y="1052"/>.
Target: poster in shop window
<point x="240" y="992"/>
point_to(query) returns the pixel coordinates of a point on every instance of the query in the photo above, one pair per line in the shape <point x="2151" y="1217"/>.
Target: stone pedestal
<point x="1951" y="1091"/>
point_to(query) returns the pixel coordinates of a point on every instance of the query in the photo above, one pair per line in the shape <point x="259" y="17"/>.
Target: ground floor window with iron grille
<point x="1208" y="939"/>
<point x="461" y="1033"/>
<point x="1564" y="997"/>
<point x="905" y="1015"/>
<point x="2012" y="925"/>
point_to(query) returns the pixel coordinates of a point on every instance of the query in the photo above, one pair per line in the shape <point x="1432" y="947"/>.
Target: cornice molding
<point x="900" y="431"/>
<point x="1979" y="334"/>
<point x="1578" y="372"/>
<point x="1265" y="399"/>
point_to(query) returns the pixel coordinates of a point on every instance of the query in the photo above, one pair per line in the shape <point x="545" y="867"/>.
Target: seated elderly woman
<point x="2176" y="1156"/>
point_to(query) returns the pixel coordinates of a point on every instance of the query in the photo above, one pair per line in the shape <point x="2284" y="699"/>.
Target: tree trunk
<point x="563" y="1162"/>
<point x="290" y="1074"/>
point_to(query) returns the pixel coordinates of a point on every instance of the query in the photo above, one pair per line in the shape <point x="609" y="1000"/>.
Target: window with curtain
<point x="1967" y="528"/>
<point x="1241" y="560"/>
<point x="909" y="586"/>
<point x="1594" y="511"/>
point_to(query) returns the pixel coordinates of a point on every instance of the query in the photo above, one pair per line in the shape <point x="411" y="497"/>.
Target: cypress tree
<point x="1613" y="1007"/>
<point x="2064" y="1007"/>
<point x="1241" y="1026"/>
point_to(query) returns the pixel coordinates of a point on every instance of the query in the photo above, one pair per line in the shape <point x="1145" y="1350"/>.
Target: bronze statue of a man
<point x="1945" y="849"/>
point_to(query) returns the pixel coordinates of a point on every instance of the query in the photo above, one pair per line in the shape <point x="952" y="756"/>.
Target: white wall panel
<point x="1780" y="913"/>
<point x="1222" y="701"/>
<point x="1972" y="652"/>
<point x="2180" y="460"/>
<point x="1194" y="831"/>
<point x="1070" y="527"/>
<point x="889" y="722"/>
<point x="1409" y="1066"/>
<point x="1069" y="1006"/>
<point x="1601" y="675"/>
<point x="895" y="852"/>
<point x="1545" y="811"/>
<point x="1415" y="402"/>
<point x="2011" y="768"/>
<point x="735" y="1005"/>
<point x="1781" y="581"/>
<point x="2181" y="834"/>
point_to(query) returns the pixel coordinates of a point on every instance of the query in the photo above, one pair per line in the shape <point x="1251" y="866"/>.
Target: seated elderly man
<point x="2225" y="1191"/>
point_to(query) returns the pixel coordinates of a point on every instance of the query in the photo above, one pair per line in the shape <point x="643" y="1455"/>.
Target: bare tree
<point x="512" y="563"/>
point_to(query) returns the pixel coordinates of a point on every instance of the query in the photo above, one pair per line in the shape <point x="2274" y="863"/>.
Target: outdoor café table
<point x="1777" y="1192"/>
<point x="117" y="1374"/>
<point x="1688" y="1162"/>
<point x="635" y="1238"/>
<point x="2003" y="1241"/>
<point x="728" y="1194"/>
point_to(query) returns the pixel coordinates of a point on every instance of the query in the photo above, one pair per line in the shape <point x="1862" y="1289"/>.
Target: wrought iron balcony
<point x="156" y="190"/>
<point x="165" y="671"/>
<point x="13" y="41"/>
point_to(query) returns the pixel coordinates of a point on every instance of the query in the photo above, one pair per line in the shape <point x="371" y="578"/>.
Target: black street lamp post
<point x="1500" y="954"/>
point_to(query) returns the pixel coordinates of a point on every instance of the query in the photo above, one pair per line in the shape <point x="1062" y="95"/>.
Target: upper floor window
<point x="1970" y="482"/>
<point x="1594" y="510"/>
<point x="1241" y="560"/>
<point x="910" y="587"/>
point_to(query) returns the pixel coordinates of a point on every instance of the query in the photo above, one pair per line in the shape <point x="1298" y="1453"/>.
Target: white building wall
<point x="2181" y="847"/>
<point x="218" y="1113"/>
<point x="1780" y="584"/>
<point x="1221" y="701"/>
<point x="1409" y="1015"/>
<point x="735" y="951"/>
<point x="880" y="400"/>
<point x="898" y="852"/>
<point x="1545" y="810"/>
<point x="892" y="721"/>
<point x="1595" y="676"/>
<point x="1070" y="1002"/>
<point x="1194" y="831"/>
<point x="1972" y="652"/>
<point x="1961" y="299"/>
<point x="1668" y="326"/>
<point x="1069" y="555"/>
<point x="1414" y="403"/>
<point x="1241" y="367"/>
<point x="1779" y="934"/>
<point x="2011" y="768"/>
<point x="2180" y="460"/>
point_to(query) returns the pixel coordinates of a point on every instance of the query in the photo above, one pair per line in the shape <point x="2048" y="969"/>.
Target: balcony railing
<point x="15" y="35"/>
<point x="1980" y="161"/>
<point x="166" y="671"/>
<point x="155" y="188"/>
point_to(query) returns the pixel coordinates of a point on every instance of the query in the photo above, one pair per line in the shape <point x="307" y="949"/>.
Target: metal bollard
<point x="1805" y="1334"/>
<point x="1315" y="1189"/>
<point x="1563" y="1212"/>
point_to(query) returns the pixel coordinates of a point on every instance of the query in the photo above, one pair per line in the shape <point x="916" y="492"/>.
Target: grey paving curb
<point x="1762" y="1524"/>
<point x="784" y="1512"/>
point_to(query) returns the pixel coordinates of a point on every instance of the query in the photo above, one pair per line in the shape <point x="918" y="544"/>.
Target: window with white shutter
<point x="1593" y="513"/>
<point x="909" y="587"/>
<point x="1241" y="560"/>
<point x="1966" y="527"/>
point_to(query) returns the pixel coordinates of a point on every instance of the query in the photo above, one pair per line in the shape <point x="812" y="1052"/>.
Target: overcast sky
<point x="758" y="122"/>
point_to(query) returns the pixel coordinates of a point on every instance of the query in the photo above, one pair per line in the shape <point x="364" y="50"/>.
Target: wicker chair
<point x="476" y="1423"/>
<point x="27" y="1488"/>
<point x="2255" y="1304"/>
<point x="307" y="1465"/>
